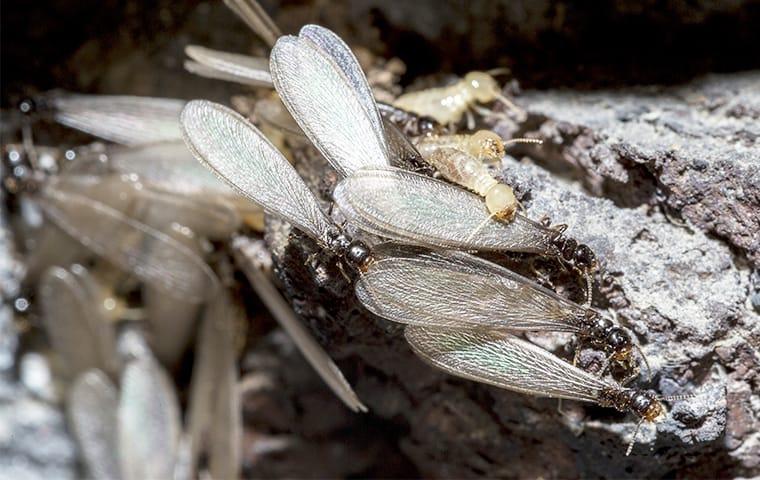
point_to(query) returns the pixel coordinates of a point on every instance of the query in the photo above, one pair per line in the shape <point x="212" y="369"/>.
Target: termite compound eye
<point x="358" y="252"/>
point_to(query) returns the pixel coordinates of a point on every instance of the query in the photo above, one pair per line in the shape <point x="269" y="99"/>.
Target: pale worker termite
<point x="448" y="104"/>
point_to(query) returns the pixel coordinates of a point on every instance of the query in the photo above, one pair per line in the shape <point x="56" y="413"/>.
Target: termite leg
<point x="629" y="378"/>
<point x="470" y="120"/>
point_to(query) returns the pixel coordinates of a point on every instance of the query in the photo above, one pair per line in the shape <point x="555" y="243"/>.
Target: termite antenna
<point x="513" y="141"/>
<point x="633" y="439"/>
<point x="675" y="398"/>
<point x="646" y="362"/>
<point x="480" y="227"/>
<point x="521" y="114"/>
<point x="589" y="288"/>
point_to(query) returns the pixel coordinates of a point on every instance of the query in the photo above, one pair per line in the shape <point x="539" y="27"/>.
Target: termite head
<point x="487" y="144"/>
<point x="483" y="86"/>
<point x="427" y="126"/>
<point x="619" y="344"/>
<point x="578" y="254"/>
<point x="359" y="253"/>
<point x="646" y="405"/>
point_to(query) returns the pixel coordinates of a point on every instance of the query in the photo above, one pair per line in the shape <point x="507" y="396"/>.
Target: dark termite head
<point x="645" y="404"/>
<point x="576" y="254"/>
<point x="619" y="343"/>
<point x="356" y="252"/>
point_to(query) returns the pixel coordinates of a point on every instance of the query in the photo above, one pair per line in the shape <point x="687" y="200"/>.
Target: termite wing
<point x="505" y="361"/>
<point x="92" y="406"/>
<point x="78" y="324"/>
<point x="127" y="120"/>
<point x="458" y="291"/>
<point x="323" y="87"/>
<point x="148" y="415"/>
<point x="235" y="150"/>
<point x="214" y="422"/>
<point x="152" y="256"/>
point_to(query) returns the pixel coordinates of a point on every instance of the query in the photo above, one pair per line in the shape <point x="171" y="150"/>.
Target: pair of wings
<point x="323" y="87"/>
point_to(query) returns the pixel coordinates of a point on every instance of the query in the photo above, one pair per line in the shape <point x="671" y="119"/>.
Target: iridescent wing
<point x="458" y="290"/>
<point x="131" y="245"/>
<point x="91" y="407"/>
<point x="344" y="58"/>
<point x="122" y="119"/>
<point x="325" y="103"/>
<point x="148" y="421"/>
<point x="232" y="67"/>
<point x="503" y="360"/>
<point x="418" y="210"/>
<point x="239" y="154"/>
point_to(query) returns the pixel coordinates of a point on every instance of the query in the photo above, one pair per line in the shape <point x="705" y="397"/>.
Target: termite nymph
<point x="448" y="104"/>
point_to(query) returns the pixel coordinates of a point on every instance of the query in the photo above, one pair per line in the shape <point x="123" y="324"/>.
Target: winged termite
<point x="133" y="246"/>
<point x="459" y="291"/>
<point x="75" y="323"/>
<point x="505" y="361"/>
<point x="240" y="155"/>
<point x="148" y="419"/>
<point x="128" y="120"/>
<point x="92" y="405"/>
<point x="326" y="94"/>
<point x="236" y="151"/>
<point x="448" y="104"/>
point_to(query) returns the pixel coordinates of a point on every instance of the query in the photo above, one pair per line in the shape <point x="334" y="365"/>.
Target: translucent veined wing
<point x="274" y="113"/>
<point x="325" y="105"/>
<point x="213" y="366"/>
<point x="127" y="120"/>
<point x="458" y="290"/>
<point x="148" y="421"/>
<point x="419" y="210"/>
<point x="171" y="321"/>
<point x="171" y="167"/>
<point x="209" y="218"/>
<point x="256" y="18"/>
<point x="503" y="360"/>
<point x="401" y="152"/>
<point x="92" y="405"/>
<point x="131" y="245"/>
<point x="240" y="154"/>
<point x="233" y="67"/>
<point x="345" y="59"/>
<point x="77" y="331"/>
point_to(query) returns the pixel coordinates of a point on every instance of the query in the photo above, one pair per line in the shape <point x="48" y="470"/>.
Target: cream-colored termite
<point x="448" y="104"/>
<point x="460" y="158"/>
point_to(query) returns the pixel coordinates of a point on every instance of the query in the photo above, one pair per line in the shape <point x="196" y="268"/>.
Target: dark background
<point x="124" y="46"/>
